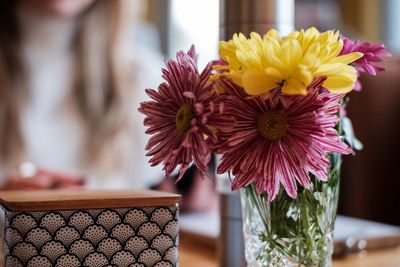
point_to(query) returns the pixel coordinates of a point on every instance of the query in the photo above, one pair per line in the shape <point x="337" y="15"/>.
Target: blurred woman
<point x="72" y="74"/>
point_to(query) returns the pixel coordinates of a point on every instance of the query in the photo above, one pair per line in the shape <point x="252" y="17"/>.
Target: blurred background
<point x="370" y="181"/>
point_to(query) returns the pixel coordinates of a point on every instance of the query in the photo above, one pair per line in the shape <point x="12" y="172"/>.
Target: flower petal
<point x="255" y="82"/>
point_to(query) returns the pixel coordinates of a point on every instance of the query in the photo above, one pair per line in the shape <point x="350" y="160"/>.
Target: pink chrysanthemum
<point x="373" y="53"/>
<point x="279" y="140"/>
<point x="182" y="112"/>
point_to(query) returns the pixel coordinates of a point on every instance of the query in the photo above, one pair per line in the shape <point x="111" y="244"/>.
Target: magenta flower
<point x="183" y="111"/>
<point x="372" y="53"/>
<point x="279" y="140"/>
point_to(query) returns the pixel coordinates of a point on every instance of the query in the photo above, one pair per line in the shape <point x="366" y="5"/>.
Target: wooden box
<point x="88" y="228"/>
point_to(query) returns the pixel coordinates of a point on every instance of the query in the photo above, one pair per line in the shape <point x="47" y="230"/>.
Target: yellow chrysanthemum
<point x="262" y="64"/>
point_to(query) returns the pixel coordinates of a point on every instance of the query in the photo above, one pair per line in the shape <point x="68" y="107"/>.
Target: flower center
<point x="183" y="117"/>
<point x="272" y="125"/>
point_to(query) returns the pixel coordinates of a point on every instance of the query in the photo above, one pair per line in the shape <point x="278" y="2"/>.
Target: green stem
<point x="257" y="201"/>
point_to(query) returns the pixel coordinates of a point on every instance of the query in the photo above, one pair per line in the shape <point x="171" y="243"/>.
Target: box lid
<point x="84" y="199"/>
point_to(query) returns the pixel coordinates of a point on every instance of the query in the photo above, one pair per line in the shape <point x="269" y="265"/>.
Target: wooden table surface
<point x="193" y="254"/>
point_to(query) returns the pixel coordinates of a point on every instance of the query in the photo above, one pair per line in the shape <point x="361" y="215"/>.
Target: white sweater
<point x="52" y="129"/>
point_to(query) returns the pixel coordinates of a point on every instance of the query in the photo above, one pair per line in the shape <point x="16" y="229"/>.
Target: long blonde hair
<point x="100" y="78"/>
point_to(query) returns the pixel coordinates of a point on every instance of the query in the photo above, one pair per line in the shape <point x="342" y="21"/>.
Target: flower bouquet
<point x="273" y="108"/>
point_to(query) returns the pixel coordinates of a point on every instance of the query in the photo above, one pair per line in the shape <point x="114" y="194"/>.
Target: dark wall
<point x="371" y="180"/>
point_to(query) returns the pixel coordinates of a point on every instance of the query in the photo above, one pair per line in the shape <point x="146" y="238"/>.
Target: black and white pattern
<point x="136" y="237"/>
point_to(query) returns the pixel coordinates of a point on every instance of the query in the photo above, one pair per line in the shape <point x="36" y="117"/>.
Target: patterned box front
<point x="123" y="237"/>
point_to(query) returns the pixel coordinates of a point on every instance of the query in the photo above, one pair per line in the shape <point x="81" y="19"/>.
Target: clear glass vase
<point x="292" y="232"/>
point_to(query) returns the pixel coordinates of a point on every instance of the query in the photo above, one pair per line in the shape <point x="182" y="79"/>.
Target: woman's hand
<point x="42" y="180"/>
